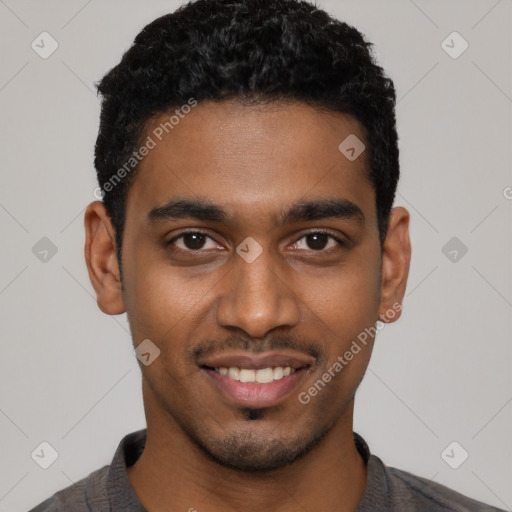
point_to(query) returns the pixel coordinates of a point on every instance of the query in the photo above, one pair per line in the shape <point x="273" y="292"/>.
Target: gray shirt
<point x="387" y="489"/>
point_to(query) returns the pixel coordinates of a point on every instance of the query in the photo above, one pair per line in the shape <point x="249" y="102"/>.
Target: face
<point x="251" y="259"/>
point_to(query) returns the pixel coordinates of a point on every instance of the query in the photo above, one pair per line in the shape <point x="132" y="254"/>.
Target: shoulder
<point x="85" y="495"/>
<point x="390" y="489"/>
<point x="418" y="493"/>
<point x="105" y="489"/>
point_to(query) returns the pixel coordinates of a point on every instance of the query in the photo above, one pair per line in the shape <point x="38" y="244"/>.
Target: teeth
<point x="234" y="373"/>
<point x="278" y="373"/>
<point x="263" y="376"/>
<point x="247" y="375"/>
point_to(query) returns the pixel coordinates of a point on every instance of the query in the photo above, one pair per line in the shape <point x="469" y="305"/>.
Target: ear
<point x="101" y="260"/>
<point x="396" y="258"/>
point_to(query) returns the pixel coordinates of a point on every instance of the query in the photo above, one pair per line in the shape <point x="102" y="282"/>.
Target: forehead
<point x="251" y="159"/>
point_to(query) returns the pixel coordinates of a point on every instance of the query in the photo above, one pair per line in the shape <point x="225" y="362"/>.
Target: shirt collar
<point x="130" y="448"/>
<point x="123" y="496"/>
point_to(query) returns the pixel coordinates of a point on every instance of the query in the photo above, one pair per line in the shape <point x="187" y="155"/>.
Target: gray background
<point x="441" y="374"/>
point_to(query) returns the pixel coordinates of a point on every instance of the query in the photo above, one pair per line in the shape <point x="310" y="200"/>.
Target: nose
<point x="256" y="298"/>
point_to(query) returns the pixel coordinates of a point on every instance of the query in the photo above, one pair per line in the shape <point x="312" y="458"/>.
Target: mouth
<point x="256" y="381"/>
<point x="261" y="376"/>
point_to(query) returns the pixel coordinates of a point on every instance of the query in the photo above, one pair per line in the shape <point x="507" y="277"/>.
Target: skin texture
<point x="202" y="450"/>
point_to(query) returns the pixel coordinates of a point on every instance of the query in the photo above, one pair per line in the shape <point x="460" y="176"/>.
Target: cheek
<point x="163" y="302"/>
<point x="344" y="305"/>
<point x="345" y="299"/>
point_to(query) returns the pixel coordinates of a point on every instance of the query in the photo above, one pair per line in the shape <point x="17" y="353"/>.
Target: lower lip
<point x="254" y="394"/>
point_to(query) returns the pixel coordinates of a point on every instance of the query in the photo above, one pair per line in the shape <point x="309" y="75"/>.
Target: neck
<point x="174" y="474"/>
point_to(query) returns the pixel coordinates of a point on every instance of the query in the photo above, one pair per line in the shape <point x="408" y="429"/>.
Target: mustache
<point x="257" y="346"/>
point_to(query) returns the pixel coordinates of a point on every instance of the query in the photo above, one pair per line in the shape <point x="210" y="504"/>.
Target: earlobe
<point x="101" y="260"/>
<point x="396" y="258"/>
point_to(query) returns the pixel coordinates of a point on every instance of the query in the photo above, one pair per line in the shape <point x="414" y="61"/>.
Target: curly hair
<point x="256" y="51"/>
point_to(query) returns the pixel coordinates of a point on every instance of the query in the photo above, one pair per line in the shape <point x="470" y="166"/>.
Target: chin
<point x="256" y="452"/>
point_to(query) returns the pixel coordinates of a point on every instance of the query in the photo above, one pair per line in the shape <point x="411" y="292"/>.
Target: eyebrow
<point x="323" y="209"/>
<point x="303" y="211"/>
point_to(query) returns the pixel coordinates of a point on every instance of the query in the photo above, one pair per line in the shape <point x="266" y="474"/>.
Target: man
<point x="247" y="158"/>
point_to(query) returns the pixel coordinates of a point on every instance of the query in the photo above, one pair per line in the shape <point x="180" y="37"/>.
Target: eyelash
<point x="338" y="240"/>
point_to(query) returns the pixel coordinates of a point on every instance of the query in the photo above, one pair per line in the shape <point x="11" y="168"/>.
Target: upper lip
<point x="257" y="361"/>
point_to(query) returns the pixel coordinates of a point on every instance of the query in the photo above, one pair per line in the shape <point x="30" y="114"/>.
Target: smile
<point x="263" y="376"/>
<point x="246" y="379"/>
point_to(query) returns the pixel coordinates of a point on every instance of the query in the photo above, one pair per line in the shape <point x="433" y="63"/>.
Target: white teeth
<point x="234" y="373"/>
<point x="278" y="373"/>
<point x="265" y="375"/>
<point x="262" y="376"/>
<point x="247" y="375"/>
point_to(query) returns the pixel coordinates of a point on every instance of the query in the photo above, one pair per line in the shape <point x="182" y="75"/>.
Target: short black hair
<point x="253" y="50"/>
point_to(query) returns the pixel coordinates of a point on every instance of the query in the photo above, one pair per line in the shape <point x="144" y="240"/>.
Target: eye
<point x="318" y="241"/>
<point x="194" y="241"/>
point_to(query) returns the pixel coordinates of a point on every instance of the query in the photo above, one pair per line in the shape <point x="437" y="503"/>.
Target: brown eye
<point x="318" y="241"/>
<point x="193" y="241"/>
